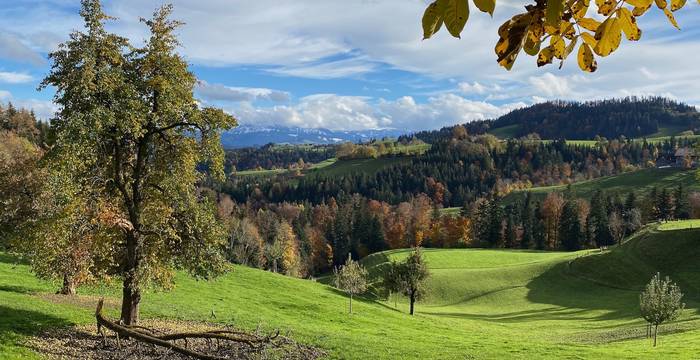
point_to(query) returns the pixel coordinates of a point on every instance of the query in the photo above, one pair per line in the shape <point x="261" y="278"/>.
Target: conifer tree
<point x="681" y="203"/>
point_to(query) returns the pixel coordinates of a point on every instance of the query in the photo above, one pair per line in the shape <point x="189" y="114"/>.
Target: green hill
<point x="482" y="304"/>
<point x="640" y="181"/>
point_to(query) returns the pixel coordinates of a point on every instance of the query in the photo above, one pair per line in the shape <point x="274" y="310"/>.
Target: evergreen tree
<point x="681" y="203"/>
<point x="570" y="227"/>
<point x="664" y="205"/>
<point x="528" y="222"/>
<point x="599" y="219"/>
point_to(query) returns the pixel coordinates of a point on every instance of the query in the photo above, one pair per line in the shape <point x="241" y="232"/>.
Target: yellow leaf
<point x="671" y="18"/>
<point x="661" y="4"/>
<point x="677" y="4"/>
<point x="628" y="23"/>
<point x="570" y="48"/>
<point x="639" y="11"/>
<point x="586" y="60"/>
<point x="589" y="39"/>
<point x="580" y="8"/>
<point x="487" y="6"/>
<point x="553" y="12"/>
<point x="508" y="46"/>
<point x="545" y="56"/>
<point x="567" y="30"/>
<point x="589" y="24"/>
<point x="456" y="15"/>
<point x="531" y="47"/>
<point x="640" y="3"/>
<point x="432" y="19"/>
<point x="558" y="46"/>
<point x="606" y="7"/>
<point x="608" y="36"/>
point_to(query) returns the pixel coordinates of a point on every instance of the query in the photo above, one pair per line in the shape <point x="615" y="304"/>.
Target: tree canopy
<point x="551" y="29"/>
<point x="130" y="134"/>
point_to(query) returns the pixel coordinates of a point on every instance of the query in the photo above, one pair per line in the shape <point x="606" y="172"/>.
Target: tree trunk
<point x="656" y="330"/>
<point x="131" y="292"/>
<point x="413" y="300"/>
<point x="351" y="303"/>
<point x="68" y="285"/>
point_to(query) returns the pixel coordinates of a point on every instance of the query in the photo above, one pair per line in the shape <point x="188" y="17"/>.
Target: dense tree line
<point x="23" y="123"/>
<point x="629" y="117"/>
<point x="463" y="168"/>
<point x="276" y="156"/>
<point x="562" y="221"/>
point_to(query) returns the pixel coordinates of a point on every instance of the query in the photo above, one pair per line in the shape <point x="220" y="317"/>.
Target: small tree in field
<point x="351" y="278"/>
<point x="660" y="302"/>
<point x="412" y="275"/>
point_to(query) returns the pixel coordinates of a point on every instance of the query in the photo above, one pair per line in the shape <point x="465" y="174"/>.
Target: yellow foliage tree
<point x="551" y="29"/>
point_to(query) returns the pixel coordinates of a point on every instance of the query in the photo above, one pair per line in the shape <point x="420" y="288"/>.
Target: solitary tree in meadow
<point x="660" y="302"/>
<point x="413" y="273"/>
<point x="131" y="135"/>
<point x="351" y="278"/>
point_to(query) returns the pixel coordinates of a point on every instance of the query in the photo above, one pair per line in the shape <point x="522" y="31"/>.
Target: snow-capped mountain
<point x="246" y="135"/>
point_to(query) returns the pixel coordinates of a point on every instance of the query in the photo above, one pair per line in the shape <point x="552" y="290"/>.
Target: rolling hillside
<point x="640" y="181"/>
<point x="482" y="304"/>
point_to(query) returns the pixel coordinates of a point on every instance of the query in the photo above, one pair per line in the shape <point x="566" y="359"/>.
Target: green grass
<point x="640" y="181"/>
<point x="668" y="131"/>
<point x="587" y="143"/>
<point x="366" y="166"/>
<point x="482" y="304"/>
<point x="680" y="225"/>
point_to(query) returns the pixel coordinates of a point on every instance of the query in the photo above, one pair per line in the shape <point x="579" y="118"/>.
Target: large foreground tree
<point x="130" y="134"/>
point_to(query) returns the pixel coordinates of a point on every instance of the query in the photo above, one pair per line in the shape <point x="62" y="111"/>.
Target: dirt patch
<point x="82" y="342"/>
<point x="83" y="301"/>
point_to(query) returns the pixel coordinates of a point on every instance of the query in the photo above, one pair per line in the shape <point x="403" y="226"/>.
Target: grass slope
<point x="482" y="304"/>
<point x="640" y="181"/>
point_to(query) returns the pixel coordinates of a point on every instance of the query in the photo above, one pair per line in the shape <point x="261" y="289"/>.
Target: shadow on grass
<point x="16" y="289"/>
<point x="18" y="323"/>
<point x="11" y="259"/>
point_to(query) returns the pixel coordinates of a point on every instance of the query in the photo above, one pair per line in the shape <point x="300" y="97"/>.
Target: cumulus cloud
<point x="337" y="112"/>
<point x="15" y="78"/>
<point x="551" y="85"/>
<point x="219" y="92"/>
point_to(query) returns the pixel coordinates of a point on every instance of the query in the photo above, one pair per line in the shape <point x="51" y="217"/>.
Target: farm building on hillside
<point x="686" y="157"/>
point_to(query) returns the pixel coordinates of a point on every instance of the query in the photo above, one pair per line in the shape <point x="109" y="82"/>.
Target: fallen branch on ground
<point x="152" y="336"/>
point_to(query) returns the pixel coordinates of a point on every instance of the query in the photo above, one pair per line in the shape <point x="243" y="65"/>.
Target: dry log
<point x="147" y="335"/>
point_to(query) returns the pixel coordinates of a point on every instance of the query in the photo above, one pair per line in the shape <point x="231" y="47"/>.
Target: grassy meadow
<point x="481" y="304"/>
<point x="640" y="181"/>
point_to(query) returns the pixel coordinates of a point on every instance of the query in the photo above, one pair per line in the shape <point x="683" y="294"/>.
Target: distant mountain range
<point x="250" y="136"/>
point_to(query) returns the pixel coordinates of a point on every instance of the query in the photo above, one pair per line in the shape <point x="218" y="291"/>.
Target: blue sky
<point x="353" y="64"/>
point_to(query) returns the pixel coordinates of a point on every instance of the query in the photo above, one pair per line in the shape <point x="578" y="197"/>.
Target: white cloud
<point x="15" y="78"/>
<point x="13" y="49"/>
<point x="551" y="85"/>
<point x="328" y="70"/>
<point x="219" y="92"/>
<point x="337" y="112"/>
